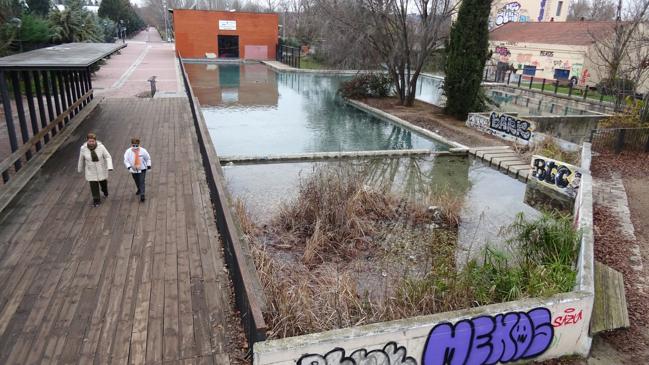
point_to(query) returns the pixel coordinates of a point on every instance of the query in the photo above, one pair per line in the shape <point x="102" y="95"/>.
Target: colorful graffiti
<point x="568" y="317"/>
<point x="558" y="175"/>
<point x="511" y="12"/>
<point x="488" y="340"/>
<point x="481" y="340"/>
<point x="391" y="354"/>
<point x="514" y="127"/>
<point x="503" y="51"/>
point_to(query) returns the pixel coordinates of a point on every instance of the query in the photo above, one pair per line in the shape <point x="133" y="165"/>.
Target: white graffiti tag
<point x="508" y="13"/>
<point x="391" y="354"/>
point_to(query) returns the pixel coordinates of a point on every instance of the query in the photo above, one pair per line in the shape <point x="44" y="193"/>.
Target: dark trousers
<point x="139" y="181"/>
<point x="94" y="188"/>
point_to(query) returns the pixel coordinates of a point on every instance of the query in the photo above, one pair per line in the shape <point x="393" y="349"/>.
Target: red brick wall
<point x="197" y="30"/>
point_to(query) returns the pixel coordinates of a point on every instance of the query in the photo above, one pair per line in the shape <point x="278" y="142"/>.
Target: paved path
<point x="126" y="282"/>
<point x="126" y="74"/>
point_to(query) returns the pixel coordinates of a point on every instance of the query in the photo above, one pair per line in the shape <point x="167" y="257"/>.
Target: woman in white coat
<point x="97" y="162"/>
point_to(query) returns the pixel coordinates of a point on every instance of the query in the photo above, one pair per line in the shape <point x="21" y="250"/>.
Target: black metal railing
<point x="566" y="88"/>
<point x="620" y="139"/>
<point x="52" y="97"/>
<point x="288" y="55"/>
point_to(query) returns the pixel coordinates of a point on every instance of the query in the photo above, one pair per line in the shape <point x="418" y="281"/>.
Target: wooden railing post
<point x="11" y="129"/>
<point x="619" y="142"/>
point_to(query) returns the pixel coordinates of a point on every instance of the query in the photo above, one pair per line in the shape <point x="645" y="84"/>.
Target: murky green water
<point x="491" y="199"/>
<point x="251" y="110"/>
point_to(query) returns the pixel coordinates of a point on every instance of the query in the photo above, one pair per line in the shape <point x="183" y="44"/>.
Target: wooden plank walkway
<point x="125" y="283"/>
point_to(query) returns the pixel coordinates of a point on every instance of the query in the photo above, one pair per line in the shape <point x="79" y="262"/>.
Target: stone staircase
<point x="505" y="159"/>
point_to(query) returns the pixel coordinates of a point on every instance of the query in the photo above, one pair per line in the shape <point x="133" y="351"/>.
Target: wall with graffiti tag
<point x="506" y="126"/>
<point x="500" y="333"/>
<point x="556" y="175"/>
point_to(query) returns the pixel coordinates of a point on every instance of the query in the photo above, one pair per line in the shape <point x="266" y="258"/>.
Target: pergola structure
<point x="55" y="84"/>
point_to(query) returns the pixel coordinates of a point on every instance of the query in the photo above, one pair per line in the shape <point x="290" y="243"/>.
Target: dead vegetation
<point x="345" y="254"/>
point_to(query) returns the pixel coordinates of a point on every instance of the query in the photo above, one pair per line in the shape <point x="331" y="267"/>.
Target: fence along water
<point x="620" y="139"/>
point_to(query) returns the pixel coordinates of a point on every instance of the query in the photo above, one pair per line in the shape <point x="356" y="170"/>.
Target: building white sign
<point x="227" y="25"/>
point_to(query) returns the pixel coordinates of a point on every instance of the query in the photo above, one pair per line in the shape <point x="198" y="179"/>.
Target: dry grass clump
<point x="549" y="148"/>
<point x="344" y="254"/>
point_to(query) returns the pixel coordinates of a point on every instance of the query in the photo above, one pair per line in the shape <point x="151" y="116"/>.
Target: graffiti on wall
<point x="512" y="126"/>
<point x="503" y="51"/>
<point x="569" y="316"/>
<point x="391" y="354"/>
<point x="510" y="12"/>
<point x="560" y="176"/>
<point x="490" y="339"/>
<point x="481" y="340"/>
<point x="546" y="53"/>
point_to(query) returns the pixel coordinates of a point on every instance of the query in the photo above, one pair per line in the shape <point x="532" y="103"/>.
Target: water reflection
<point x="251" y="110"/>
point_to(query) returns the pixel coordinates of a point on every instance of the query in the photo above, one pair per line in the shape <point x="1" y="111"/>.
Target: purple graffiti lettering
<point x="488" y="340"/>
<point x="542" y="11"/>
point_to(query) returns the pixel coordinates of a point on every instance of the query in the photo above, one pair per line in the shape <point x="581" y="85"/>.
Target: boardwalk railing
<point x="288" y="55"/>
<point x="53" y="97"/>
<point x="248" y="292"/>
<point x="620" y="139"/>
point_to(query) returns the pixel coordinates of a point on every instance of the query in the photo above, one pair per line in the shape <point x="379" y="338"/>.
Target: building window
<point x="559" y="6"/>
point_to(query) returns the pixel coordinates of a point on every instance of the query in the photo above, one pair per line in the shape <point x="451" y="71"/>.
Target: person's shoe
<point x="105" y="194"/>
<point x="142" y="198"/>
<point x="96" y="203"/>
<point x="137" y="192"/>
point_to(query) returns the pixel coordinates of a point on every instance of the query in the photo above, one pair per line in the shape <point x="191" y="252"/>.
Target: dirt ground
<point x="432" y="118"/>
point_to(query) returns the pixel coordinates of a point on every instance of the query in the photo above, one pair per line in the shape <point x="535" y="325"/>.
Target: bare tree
<point x="592" y="10"/>
<point x="402" y="34"/>
<point x="623" y="55"/>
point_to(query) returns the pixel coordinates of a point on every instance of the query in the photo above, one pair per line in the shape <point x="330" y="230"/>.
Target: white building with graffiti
<point x="552" y="50"/>
<point x="508" y="11"/>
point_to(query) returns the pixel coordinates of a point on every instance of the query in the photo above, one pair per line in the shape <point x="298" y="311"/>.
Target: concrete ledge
<point x="394" y="119"/>
<point x="329" y="155"/>
<point x="413" y="334"/>
<point x="24" y="175"/>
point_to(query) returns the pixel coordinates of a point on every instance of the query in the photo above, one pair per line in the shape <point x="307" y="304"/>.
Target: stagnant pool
<point x="253" y="111"/>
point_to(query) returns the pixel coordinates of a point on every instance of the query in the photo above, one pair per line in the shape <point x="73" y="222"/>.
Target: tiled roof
<point x="578" y="33"/>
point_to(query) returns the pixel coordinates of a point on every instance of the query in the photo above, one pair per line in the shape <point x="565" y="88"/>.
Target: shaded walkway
<point x="126" y="282"/>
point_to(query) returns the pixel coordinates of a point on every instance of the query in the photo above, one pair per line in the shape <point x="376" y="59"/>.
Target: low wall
<point x="249" y="295"/>
<point x="523" y="130"/>
<point x="527" y="329"/>
<point x="572" y="128"/>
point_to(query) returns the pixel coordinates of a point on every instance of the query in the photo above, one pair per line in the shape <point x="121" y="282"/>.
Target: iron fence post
<point x="619" y="143"/>
<point x="556" y="86"/>
<point x="531" y="82"/>
<point x="509" y="77"/>
<point x="543" y="85"/>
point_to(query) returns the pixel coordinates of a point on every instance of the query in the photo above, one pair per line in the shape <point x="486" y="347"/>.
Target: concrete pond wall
<point x="569" y="132"/>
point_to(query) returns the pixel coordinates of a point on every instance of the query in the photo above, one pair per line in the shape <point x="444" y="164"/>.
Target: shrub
<point x="621" y="87"/>
<point x="630" y="117"/>
<point x="376" y="85"/>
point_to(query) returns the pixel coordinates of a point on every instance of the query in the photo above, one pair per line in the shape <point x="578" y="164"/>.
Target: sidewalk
<point x="125" y="75"/>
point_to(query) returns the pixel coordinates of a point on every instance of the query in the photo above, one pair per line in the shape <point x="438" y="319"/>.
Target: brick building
<point x="225" y="34"/>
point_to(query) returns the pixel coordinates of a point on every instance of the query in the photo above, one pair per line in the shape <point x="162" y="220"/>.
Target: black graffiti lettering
<point x="562" y="177"/>
<point x="556" y="174"/>
<point x="510" y="125"/>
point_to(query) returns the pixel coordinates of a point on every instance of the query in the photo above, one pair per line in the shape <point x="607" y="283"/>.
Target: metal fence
<point x="568" y="88"/>
<point x="620" y="139"/>
<point x="288" y="55"/>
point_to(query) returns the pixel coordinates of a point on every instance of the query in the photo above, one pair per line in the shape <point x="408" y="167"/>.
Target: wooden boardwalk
<point x="125" y="283"/>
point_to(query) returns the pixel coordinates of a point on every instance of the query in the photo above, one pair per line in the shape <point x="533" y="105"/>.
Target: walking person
<point x="137" y="161"/>
<point x="95" y="160"/>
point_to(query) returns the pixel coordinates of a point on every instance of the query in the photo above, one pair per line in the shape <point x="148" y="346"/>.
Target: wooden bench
<point x="609" y="310"/>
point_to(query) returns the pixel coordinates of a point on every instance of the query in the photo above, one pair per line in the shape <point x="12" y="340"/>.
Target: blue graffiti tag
<point x="542" y="11"/>
<point x="487" y="340"/>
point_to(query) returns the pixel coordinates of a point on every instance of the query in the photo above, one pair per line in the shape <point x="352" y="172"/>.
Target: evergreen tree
<point x="467" y="52"/>
<point x="39" y="7"/>
<point x="117" y="10"/>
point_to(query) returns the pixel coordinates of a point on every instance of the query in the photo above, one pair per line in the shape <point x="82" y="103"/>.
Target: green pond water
<point x="253" y="111"/>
